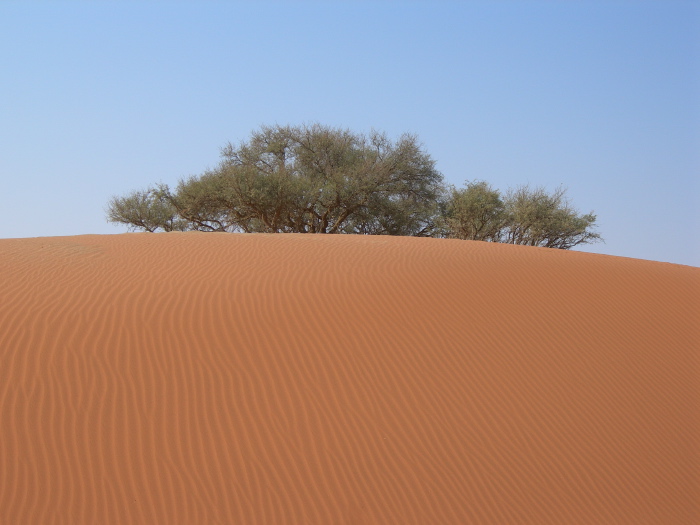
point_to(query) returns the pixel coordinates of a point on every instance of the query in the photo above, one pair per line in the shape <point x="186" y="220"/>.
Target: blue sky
<point x="98" y="98"/>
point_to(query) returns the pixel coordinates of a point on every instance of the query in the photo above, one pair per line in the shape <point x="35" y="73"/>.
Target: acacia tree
<point x="526" y="216"/>
<point x="475" y="212"/>
<point x="318" y="179"/>
<point x="538" y="218"/>
<point x="308" y="179"/>
<point x="146" y="210"/>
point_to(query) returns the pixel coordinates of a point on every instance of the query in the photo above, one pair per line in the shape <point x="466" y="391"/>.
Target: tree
<point x="475" y="213"/>
<point x="524" y="216"/>
<point x="307" y="179"/>
<point x="318" y="179"/>
<point x="537" y="218"/>
<point x="146" y="210"/>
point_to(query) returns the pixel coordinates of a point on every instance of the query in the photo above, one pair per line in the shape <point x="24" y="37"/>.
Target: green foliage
<point x="145" y="210"/>
<point x="310" y="179"/>
<point x="317" y="179"/>
<point x="536" y="218"/>
<point x="475" y="213"/>
<point x="524" y="216"/>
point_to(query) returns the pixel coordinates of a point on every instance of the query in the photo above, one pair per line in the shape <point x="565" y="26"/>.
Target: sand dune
<point x="219" y="378"/>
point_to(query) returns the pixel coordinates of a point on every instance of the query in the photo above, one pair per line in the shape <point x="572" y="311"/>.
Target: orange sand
<point x="220" y="378"/>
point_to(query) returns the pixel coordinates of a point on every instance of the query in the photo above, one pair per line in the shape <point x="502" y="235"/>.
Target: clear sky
<point x="98" y="98"/>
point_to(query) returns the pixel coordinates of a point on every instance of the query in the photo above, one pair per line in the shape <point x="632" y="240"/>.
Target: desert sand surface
<point x="201" y="378"/>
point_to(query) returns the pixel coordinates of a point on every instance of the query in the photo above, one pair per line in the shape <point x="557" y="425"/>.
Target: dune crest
<point x="229" y="378"/>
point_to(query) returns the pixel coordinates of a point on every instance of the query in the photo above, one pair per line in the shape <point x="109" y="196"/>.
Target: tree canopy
<point x="524" y="215"/>
<point x="318" y="179"/>
<point x="309" y="179"/>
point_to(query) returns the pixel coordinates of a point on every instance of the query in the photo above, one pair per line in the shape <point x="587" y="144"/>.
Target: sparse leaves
<point x="318" y="179"/>
<point x="308" y="179"/>
<point x="147" y="210"/>
<point x="524" y="216"/>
